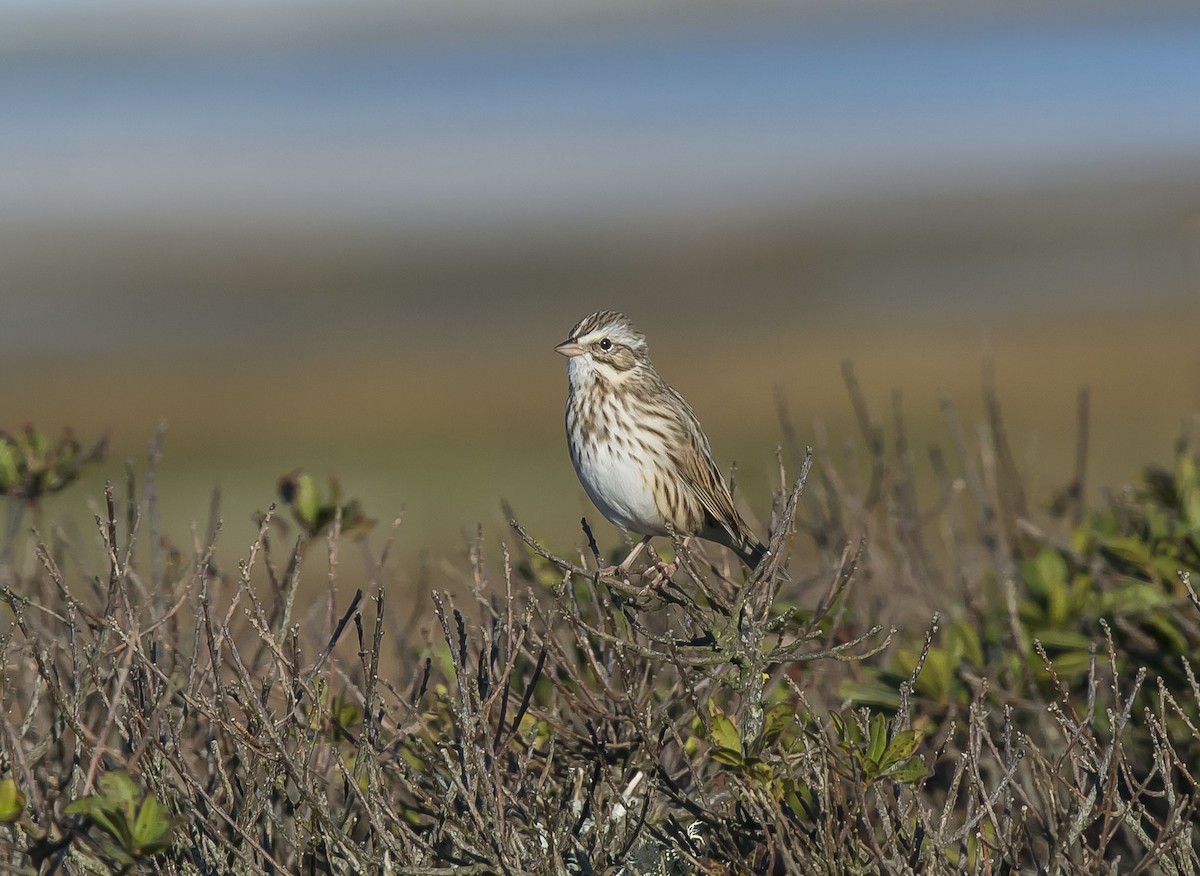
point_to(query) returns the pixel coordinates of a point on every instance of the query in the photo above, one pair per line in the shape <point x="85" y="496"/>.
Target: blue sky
<point x="455" y="131"/>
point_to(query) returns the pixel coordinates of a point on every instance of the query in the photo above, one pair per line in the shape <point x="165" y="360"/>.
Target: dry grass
<point x="549" y="721"/>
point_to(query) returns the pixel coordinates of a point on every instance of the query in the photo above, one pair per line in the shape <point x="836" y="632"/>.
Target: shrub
<point x="171" y="717"/>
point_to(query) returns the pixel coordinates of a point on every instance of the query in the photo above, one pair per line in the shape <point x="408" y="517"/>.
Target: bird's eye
<point x="605" y="344"/>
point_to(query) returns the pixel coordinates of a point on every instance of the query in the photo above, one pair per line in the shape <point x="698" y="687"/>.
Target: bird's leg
<point x="622" y="570"/>
<point x="664" y="571"/>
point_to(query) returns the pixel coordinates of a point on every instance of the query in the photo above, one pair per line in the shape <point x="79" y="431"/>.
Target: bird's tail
<point x="752" y="554"/>
<point x="748" y="548"/>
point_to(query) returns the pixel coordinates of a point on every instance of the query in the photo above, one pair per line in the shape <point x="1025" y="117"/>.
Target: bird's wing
<point x="704" y="479"/>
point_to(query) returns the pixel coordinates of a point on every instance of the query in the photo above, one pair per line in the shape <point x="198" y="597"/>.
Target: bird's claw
<point x="658" y="574"/>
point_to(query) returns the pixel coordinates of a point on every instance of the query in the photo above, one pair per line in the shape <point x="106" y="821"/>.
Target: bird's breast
<point x="619" y="480"/>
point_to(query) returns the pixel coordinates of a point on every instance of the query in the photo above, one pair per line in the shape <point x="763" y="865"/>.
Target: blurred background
<point x="345" y="236"/>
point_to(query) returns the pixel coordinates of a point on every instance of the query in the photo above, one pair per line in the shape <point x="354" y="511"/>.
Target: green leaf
<point x="1083" y="594"/>
<point x="795" y="803"/>
<point x="114" y="810"/>
<point x="799" y="797"/>
<point x="1062" y="640"/>
<point x="839" y="724"/>
<point x="724" y="732"/>
<point x="306" y="503"/>
<point x="120" y="792"/>
<point x="759" y="771"/>
<point x="151" y="828"/>
<point x="1132" y="597"/>
<point x="1047" y="569"/>
<point x="84" y="806"/>
<point x="779" y="718"/>
<point x="963" y="639"/>
<point x="1131" y="550"/>
<point x="727" y="756"/>
<point x="346" y="713"/>
<point x="870" y="693"/>
<point x="1168" y="568"/>
<point x="848" y="731"/>
<point x="1170" y="638"/>
<point x="113" y="823"/>
<point x="12" y="801"/>
<point x="877" y="742"/>
<point x="911" y="770"/>
<point x="903" y="745"/>
<point x="10" y="474"/>
<point x="1191" y="506"/>
<point x="1070" y="666"/>
<point x="936" y="680"/>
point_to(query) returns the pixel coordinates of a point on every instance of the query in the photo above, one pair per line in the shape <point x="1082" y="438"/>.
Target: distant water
<point x="458" y="133"/>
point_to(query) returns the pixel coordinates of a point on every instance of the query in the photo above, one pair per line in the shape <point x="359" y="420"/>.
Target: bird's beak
<point x="569" y="348"/>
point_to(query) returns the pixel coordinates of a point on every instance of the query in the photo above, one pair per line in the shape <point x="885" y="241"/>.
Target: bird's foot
<point x="622" y="570"/>
<point x="664" y="571"/>
<point x="657" y="575"/>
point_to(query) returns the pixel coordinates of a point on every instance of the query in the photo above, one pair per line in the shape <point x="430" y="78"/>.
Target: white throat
<point x="584" y="371"/>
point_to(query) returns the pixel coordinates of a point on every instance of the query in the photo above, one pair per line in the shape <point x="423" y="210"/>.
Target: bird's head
<point x="606" y="345"/>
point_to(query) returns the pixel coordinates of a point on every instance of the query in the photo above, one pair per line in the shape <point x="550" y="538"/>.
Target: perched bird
<point x="637" y="446"/>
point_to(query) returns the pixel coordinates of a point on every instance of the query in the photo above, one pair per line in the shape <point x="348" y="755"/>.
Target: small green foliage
<point x="134" y="825"/>
<point x="12" y="800"/>
<point x="876" y="692"/>
<point x="937" y="676"/>
<point x="32" y="467"/>
<point x="940" y="680"/>
<point x="872" y="755"/>
<point x="1152" y="531"/>
<point x="781" y="724"/>
<point x="344" y="716"/>
<point x="1120" y="567"/>
<point x="10" y="458"/>
<point x="725" y="737"/>
<point x="546" y="574"/>
<point x="1126" y="560"/>
<point x="761" y="763"/>
<point x="314" y="514"/>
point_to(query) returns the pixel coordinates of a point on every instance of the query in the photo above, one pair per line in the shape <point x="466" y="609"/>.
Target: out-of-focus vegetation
<point x="442" y="440"/>
<point x="1034" y="706"/>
